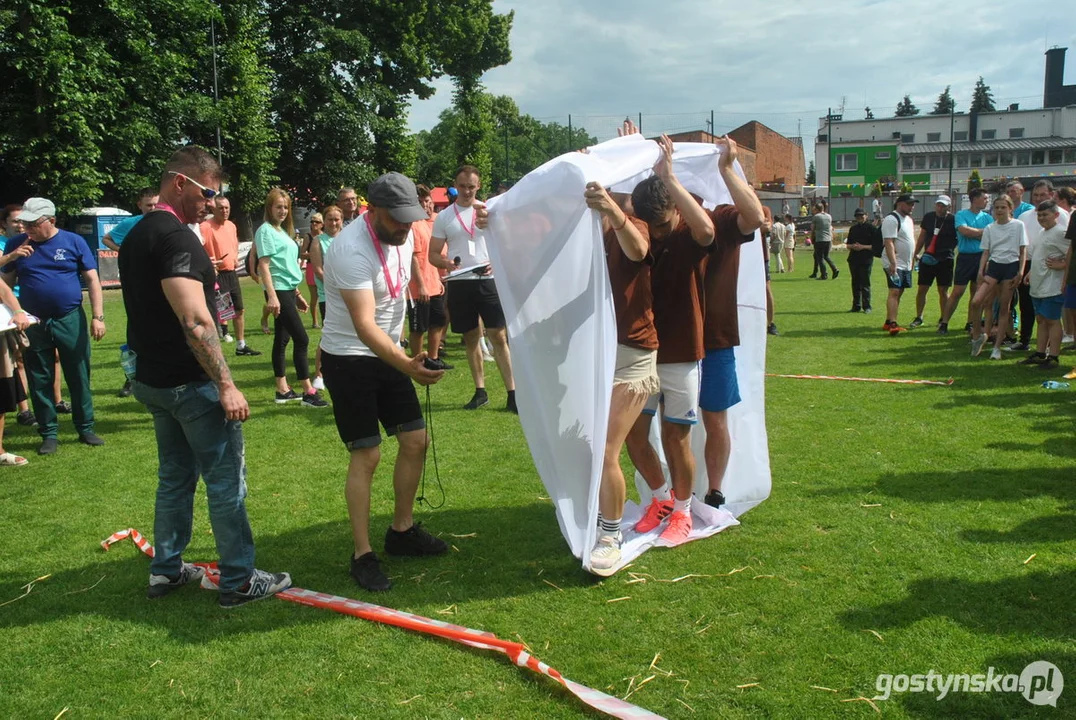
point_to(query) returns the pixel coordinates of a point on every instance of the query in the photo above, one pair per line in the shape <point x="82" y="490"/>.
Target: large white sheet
<point x="546" y="249"/>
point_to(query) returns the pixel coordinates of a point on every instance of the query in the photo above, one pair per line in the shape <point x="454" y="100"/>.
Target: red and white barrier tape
<point x="946" y="383"/>
<point x="612" y="706"/>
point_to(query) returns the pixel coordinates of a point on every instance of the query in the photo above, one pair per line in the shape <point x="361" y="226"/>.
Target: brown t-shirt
<point x="722" y="327"/>
<point x="633" y="300"/>
<point x="677" y="280"/>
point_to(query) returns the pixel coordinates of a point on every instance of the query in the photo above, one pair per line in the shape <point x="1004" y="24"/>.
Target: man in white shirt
<point x="876" y="209"/>
<point x="369" y="376"/>
<point x="472" y="294"/>
<point x="898" y="236"/>
<point x="1042" y="191"/>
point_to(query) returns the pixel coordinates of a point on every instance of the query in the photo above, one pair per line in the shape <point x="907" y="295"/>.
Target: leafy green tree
<point x="945" y="103"/>
<point x="975" y="180"/>
<point x="905" y="108"/>
<point x="811" y="174"/>
<point x="982" y="100"/>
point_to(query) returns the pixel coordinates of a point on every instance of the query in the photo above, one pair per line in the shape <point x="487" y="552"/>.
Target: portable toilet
<point x="93" y="224"/>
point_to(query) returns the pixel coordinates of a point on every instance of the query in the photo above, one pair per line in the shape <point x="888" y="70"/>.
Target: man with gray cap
<point x="47" y="263"/>
<point x="367" y="373"/>
<point x="935" y="250"/>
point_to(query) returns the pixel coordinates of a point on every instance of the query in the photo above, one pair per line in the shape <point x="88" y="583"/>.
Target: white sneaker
<point x="1068" y="339"/>
<point x="606" y="554"/>
<point x="228" y="338"/>
<point x="319" y="383"/>
<point x="486" y="354"/>
<point x="995" y="354"/>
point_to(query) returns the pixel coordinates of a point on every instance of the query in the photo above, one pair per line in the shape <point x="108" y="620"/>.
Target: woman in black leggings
<point x="278" y="268"/>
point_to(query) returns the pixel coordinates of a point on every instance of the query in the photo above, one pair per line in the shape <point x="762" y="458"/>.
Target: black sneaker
<point x="1049" y="363"/>
<point x="126" y="390"/>
<point x="366" y="571"/>
<point x="414" y="542"/>
<point x="855" y="309"/>
<point x="918" y="322"/>
<point x="439" y="364"/>
<point x="48" y="446"/>
<point x="287" y="397"/>
<point x="943" y="328"/>
<point x="261" y="585"/>
<point x="161" y="585"/>
<point x="314" y="400"/>
<point x="91" y="439"/>
<point x="967" y="328"/>
<point x="63" y="407"/>
<point x="511" y="406"/>
<point x="247" y="350"/>
<point x="1035" y="358"/>
<point x="836" y="273"/>
<point x="480" y="398"/>
<point x="715" y="498"/>
<point x="26" y="419"/>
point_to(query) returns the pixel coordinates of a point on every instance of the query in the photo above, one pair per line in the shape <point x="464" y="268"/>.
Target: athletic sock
<point x="663" y="494"/>
<point x="682" y="505"/>
<point x="241" y="344"/>
<point x="609" y="527"/>
<point x="511" y="396"/>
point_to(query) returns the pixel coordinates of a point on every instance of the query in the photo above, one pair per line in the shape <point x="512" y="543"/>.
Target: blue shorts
<point x="904" y="280"/>
<point x="1049" y="307"/>
<point x="1070" y="297"/>
<point x="719" y="389"/>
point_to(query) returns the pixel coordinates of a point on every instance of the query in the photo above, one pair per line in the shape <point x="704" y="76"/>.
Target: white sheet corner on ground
<point x="547" y="253"/>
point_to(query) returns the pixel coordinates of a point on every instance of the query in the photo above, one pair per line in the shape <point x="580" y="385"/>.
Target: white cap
<point x="36" y="208"/>
<point x="944" y="200"/>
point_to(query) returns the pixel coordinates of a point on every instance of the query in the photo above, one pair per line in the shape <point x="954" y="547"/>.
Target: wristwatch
<point x="99" y="317"/>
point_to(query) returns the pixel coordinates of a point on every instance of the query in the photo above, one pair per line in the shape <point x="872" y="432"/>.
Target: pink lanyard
<point x="394" y="290"/>
<point x="468" y="230"/>
<point x="168" y="208"/>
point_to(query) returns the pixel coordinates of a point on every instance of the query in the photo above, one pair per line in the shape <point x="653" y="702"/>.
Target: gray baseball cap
<point x="397" y="194"/>
<point x="36" y="208"/>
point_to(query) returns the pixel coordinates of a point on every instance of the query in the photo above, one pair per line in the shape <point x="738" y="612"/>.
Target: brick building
<point x="769" y="159"/>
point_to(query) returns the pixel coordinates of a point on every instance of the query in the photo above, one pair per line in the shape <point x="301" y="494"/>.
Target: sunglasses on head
<point x="207" y="193"/>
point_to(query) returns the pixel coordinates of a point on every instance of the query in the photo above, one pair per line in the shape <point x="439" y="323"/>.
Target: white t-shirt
<point x="1030" y="219"/>
<point x="453" y="224"/>
<point x="903" y="240"/>
<point x="1051" y="243"/>
<point x="353" y="263"/>
<point x="790" y="236"/>
<point x="1004" y="241"/>
<point x="876" y="206"/>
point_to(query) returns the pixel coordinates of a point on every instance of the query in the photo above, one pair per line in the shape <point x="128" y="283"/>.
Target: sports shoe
<point x="248" y="351"/>
<point x="261" y="585"/>
<point x="1071" y="375"/>
<point x="287" y="397"/>
<point x="48" y="446"/>
<point x="1010" y="346"/>
<point x="995" y="354"/>
<point x="655" y="514"/>
<point x="918" y="322"/>
<point x="892" y="327"/>
<point x="772" y="329"/>
<point x="161" y="585"/>
<point x="714" y="498"/>
<point x="480" y="398"/>
<point x="855" y="309"/>
<point x="678" y="529"/>
<point x="91" y="439"/>
<point x="606" y="554"/>
<point x="366" y="571"/>
<point x="836" y="273"/>
<point x="510" y="405"/>
<point x="1049" y="364"/>
<point x="318" y="383"/>
<point x="126" y="390"/>
<point x="63" y="407"/>
<point x="943" y="328"/>
<point x="868" y="310"/>
<point x="1035" y="358"/>
<point x="314" y="400"/>
<point x="414" y="542"/>
<point x="439" y="364"/>
<point x="228" y="338"/>
<point x="26" y="419"/>
<point x="977" y="344"/>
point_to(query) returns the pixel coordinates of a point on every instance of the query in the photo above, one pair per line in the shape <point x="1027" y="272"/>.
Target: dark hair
<point x="1046" y="206"/>
<point x="650" y="199"/>
<point x="1012" y="184"/>
<point x="147" y="192"/>
<point x="469" y="169"/>
<point x="976" y="193"/>
<point x="423" y="191"/>
<point x="1067" y="194"/>
<point x="5" y="213"/>
<point x="1043" y="183"/>
<point x="192" y="161"/>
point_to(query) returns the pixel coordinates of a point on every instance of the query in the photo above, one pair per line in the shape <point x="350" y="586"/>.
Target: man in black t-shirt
<point x="182" y="379"/>
<point x="861" y="241"/>
<point x="935" y="250"/>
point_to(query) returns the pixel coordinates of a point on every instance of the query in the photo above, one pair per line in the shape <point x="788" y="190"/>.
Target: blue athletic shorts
<point x="719" y="389"/>
<point x="1049" y="307"/>
<point x="904" y="280"/>
<point x="1070" y="297"/>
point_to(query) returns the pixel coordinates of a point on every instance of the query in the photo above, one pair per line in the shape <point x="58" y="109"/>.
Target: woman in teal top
<point x="278" y="268"/>
<point x="333" y="218"/>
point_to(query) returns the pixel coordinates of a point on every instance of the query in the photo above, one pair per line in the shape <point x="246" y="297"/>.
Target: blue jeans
<point x="194" y="437"/>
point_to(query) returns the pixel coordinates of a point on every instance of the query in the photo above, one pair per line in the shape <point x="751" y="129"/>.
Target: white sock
<point x="663" y="494"/>
<point x="682" y="505"/>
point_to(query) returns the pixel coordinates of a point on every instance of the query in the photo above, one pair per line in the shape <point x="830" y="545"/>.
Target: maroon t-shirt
<point x="677" y="279"/>
<point x="633" y="299"/>
<point x="722" y="327"/>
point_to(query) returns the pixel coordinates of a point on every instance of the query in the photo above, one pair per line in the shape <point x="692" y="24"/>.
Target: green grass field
<point x="910" y="528"/>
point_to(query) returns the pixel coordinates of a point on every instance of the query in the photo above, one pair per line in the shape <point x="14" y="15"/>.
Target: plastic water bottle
<point x="1055" y="385"/>
<point x="128" y="359"/>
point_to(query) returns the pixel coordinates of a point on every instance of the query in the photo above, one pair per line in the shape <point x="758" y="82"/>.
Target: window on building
<point x="1038" y="157"/>
<point x="1055" y="157"/>
<point x="823" y="137"/>
<point x="1070" y="155"/>
<point x="1006" y="159"/>
<point x="976" y="160"/>
<point x="961" y="160"/>
<point x="883" y="155"/>
<point x="1023" y="158"/>
<point x="988" y="134"/>
<point x="935" y="162"/>
<point x="1016" y="132"/>
<point x="846" y="162"/>
<point x="920" y="162"/>
<point x="907" y="162"/>
<point x="907" y="137"/>
<point x="991" y="159"/>
<point x="960" y="136"/>
<point x="934" y="137"/>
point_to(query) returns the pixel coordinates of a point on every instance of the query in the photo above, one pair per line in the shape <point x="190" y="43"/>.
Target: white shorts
<point x="679" y="393"/>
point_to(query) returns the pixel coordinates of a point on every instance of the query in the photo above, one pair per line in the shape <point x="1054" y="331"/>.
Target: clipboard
<point x="466" y="271"/>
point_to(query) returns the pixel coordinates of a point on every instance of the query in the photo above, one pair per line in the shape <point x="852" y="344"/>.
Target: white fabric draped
<point x="547" y="253"/>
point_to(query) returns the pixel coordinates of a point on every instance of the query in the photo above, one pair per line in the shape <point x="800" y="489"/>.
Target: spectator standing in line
<point x="790" y="243"/>
<point x="934" y="251"/>
<point x="10" y="227"/>
<point x="10" y="385"/>
<point x="778" y="234"/>
<point x="348" y="202"/>
<point x="427" y="312"/>
<point x="1004" y="247"/>
<point x="861" y="242"/>
<point x="898" y="243"/>
<point x="822" y="239"/>
<point x="1042" y="191"/>
<point x="316" y="224"/>
<point x="1049" y="259"/>
<point x="222" y="244"/>
<point x="1015" y="191"/>
<point x="970" y="223"/>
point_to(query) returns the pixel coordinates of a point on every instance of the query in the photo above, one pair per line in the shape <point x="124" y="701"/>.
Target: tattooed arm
<point x="187" y="299"/>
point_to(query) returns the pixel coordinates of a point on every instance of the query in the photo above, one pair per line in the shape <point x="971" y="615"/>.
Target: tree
<point x="981" y="99"/>
<point x="811" y="174"/>
<point x="944" y="104"/>
<point x="905" y="108"/>
<point x="975" y="180"/>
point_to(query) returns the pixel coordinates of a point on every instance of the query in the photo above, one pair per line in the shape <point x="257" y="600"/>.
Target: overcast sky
<point x="782" y="62"/>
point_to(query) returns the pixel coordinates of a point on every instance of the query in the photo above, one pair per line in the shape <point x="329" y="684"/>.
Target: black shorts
<point x="9" y="393"/>
<point x="942" y="271"/>
<point x="421" y="316"/>
<point x="467" y="299"/>
<point x="229" y="280"/>
<point x="967" y="268"/>
<point x="1002" y="271"/>
<point x="365" y="390"/>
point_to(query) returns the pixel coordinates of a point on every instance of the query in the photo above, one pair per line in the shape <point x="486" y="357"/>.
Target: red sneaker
<point x="678" y="530"/>
<point x="655" y="514"/>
